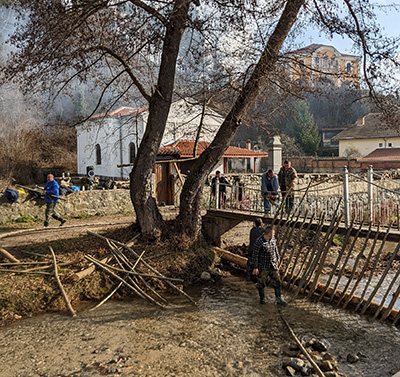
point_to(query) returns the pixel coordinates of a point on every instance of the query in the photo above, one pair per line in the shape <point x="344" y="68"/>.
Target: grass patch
<point x="25" y="219"/>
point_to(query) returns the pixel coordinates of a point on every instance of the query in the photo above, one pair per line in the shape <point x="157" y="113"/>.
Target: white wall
<point x="365" y="146"/>
<point x="112" y="138"/>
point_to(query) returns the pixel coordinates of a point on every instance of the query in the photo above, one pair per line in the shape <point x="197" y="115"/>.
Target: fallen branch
<point x="305" y="353"/>
<point x="87" y="271"/>
<point x="8" y="256"/>
<point x="25" y="272"/>
<point x="67" y="302"/>
<point x="145" y="264"/>
<point x="138" y="292"/>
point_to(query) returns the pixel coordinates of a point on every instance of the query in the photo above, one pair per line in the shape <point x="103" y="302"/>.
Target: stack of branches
<point x="132" y="271"/>
<point x="29" y="265"/>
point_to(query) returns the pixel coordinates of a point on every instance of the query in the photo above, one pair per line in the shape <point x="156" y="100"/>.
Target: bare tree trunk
<point x="147" y="214"/>
<point x="189" y="214"/>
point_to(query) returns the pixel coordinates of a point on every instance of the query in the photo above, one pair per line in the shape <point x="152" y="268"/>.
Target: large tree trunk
<point x="189" y="214"/>
<point x="147" y="214"/>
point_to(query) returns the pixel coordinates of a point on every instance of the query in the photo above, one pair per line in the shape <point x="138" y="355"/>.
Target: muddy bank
<point x="227" y="334"/>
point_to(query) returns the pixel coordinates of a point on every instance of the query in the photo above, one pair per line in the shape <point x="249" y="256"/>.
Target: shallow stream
<point x="227" y="334"/>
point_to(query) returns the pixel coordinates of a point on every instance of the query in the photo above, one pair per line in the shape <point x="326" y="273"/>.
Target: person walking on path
<point x="222" y="187"/>
<point x="265" y="262"/>
<point x="52" y="192"/>
<point x="255" y="233"/>
<point x="287" y="178"/>
<point x="269" y="189"/>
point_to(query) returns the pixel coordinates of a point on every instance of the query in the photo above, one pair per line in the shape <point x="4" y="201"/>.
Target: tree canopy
<point x="148" y="51"/>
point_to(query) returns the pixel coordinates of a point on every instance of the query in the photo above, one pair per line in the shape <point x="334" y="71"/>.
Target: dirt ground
<point x="227" y="332"/>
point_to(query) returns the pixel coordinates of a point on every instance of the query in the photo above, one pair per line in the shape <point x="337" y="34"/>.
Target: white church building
<point x="110" y="139"/>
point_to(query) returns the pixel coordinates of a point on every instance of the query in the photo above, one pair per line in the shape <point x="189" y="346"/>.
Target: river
<point x="226" y="334"/>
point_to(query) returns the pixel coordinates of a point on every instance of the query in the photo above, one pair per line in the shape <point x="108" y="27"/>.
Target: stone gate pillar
<point x="275" y="153"/>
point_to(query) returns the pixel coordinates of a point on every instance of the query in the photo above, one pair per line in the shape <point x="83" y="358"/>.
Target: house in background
<point x="108" y="140"/>
<point x="366" y="135"/>
<point x="321" y="63"/>
<point x="234" y="160"/>
<point x="381" y="159"/>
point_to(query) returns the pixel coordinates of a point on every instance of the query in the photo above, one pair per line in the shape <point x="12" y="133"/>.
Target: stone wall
<point x="77" y="204"/>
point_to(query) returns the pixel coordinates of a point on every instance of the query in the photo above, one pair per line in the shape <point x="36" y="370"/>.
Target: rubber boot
<point x="262" y="296"/>
<point x="279" y="298"/>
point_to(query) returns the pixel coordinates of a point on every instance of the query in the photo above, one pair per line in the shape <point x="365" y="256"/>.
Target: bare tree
<point x="135" y="47"/>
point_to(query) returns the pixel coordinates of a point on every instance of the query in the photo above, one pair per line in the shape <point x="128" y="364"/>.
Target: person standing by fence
<point x="52" y="192"/>
<point x="287" y="179"/>
<point x="269" y="189"/>
<point x="223" y="183"/>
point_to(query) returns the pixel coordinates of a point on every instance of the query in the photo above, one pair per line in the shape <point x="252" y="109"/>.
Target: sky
<point x="390" y="22"/>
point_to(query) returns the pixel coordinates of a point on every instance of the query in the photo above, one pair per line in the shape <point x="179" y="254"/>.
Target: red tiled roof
<point x="382" y="154"/>
<point x="186" y="149"/>
<point x="165" y="151"/>
<point x="122" y="112"/>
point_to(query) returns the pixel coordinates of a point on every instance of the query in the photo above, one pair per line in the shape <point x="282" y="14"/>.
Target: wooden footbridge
<point x="360" y="273"/>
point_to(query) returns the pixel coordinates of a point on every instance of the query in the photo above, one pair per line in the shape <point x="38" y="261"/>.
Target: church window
<point x="98" y="154"/>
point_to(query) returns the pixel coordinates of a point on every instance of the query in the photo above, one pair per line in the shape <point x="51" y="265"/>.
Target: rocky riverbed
<point x="226" y="334"/>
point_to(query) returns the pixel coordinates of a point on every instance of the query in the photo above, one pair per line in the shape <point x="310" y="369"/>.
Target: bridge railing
<point x="370" y="197"/>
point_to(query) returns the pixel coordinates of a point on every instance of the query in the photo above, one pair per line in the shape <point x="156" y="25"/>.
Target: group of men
<point x="271" y="183"/>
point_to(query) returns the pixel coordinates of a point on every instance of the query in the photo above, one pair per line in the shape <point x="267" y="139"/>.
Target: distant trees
<point x="306" y="130"/>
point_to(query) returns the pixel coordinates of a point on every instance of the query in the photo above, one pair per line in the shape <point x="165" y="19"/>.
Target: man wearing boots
<point x="52" y="192"/>
<point x="265" y="265"/>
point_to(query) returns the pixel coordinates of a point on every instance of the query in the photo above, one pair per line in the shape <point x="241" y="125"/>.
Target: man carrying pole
<point x="51" y="198"/>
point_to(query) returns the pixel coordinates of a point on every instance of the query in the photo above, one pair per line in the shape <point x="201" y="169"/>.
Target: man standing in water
<point x="265" y="265"/>
<point x="51" y="198"/>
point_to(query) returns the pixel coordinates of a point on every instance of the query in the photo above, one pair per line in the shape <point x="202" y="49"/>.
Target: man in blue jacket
<point x="51" y="198"/>
<point x="269" y="189"/>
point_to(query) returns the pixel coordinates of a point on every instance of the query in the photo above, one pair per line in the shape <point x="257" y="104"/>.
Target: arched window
<point x="98" y="154"/>
<point x="325" y="61"/>
<point x="317" y="61"/>
<point x="301" y="64"/>
<point x="349" y="67"/>
<point x="132" y="152"/>
<point x="333" y="62"/>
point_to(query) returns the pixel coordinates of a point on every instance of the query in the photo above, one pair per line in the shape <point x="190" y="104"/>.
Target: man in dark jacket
<point x="287" y="179"/>
<point x="269" y="189"/>
<point x="265" y="265"/>
<point x="223" y="183"/>
<point x="255" y="233"/>
<point x="51" y="198"/>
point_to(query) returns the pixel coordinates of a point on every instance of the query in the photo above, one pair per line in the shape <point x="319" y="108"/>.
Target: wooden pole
<point x="64" y="294"/>
<point x="179" y="173"/>
<point x="394" y="297"/>
<point x="339" y="257"/>
<point x="373" y="268"/>
<point x="361" y="275"/>
<point x="321" y="259"/>
<point x="133" y="288"/>
<point x="342" y="269"/>
<point x="8" y="256"/>
<point x="305" y="352"/>
<point x="312" y="247"/>
<point x="289" y="280"/>
<point x="295" y="244"/>
<point x="355" y="265"/>
<point x="317" y="251"/>
<point x="383" y="276"/>
<point x="144" y="263"/>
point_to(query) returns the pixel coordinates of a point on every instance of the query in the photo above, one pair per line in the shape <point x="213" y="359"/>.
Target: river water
<point x="226" y="334"/>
